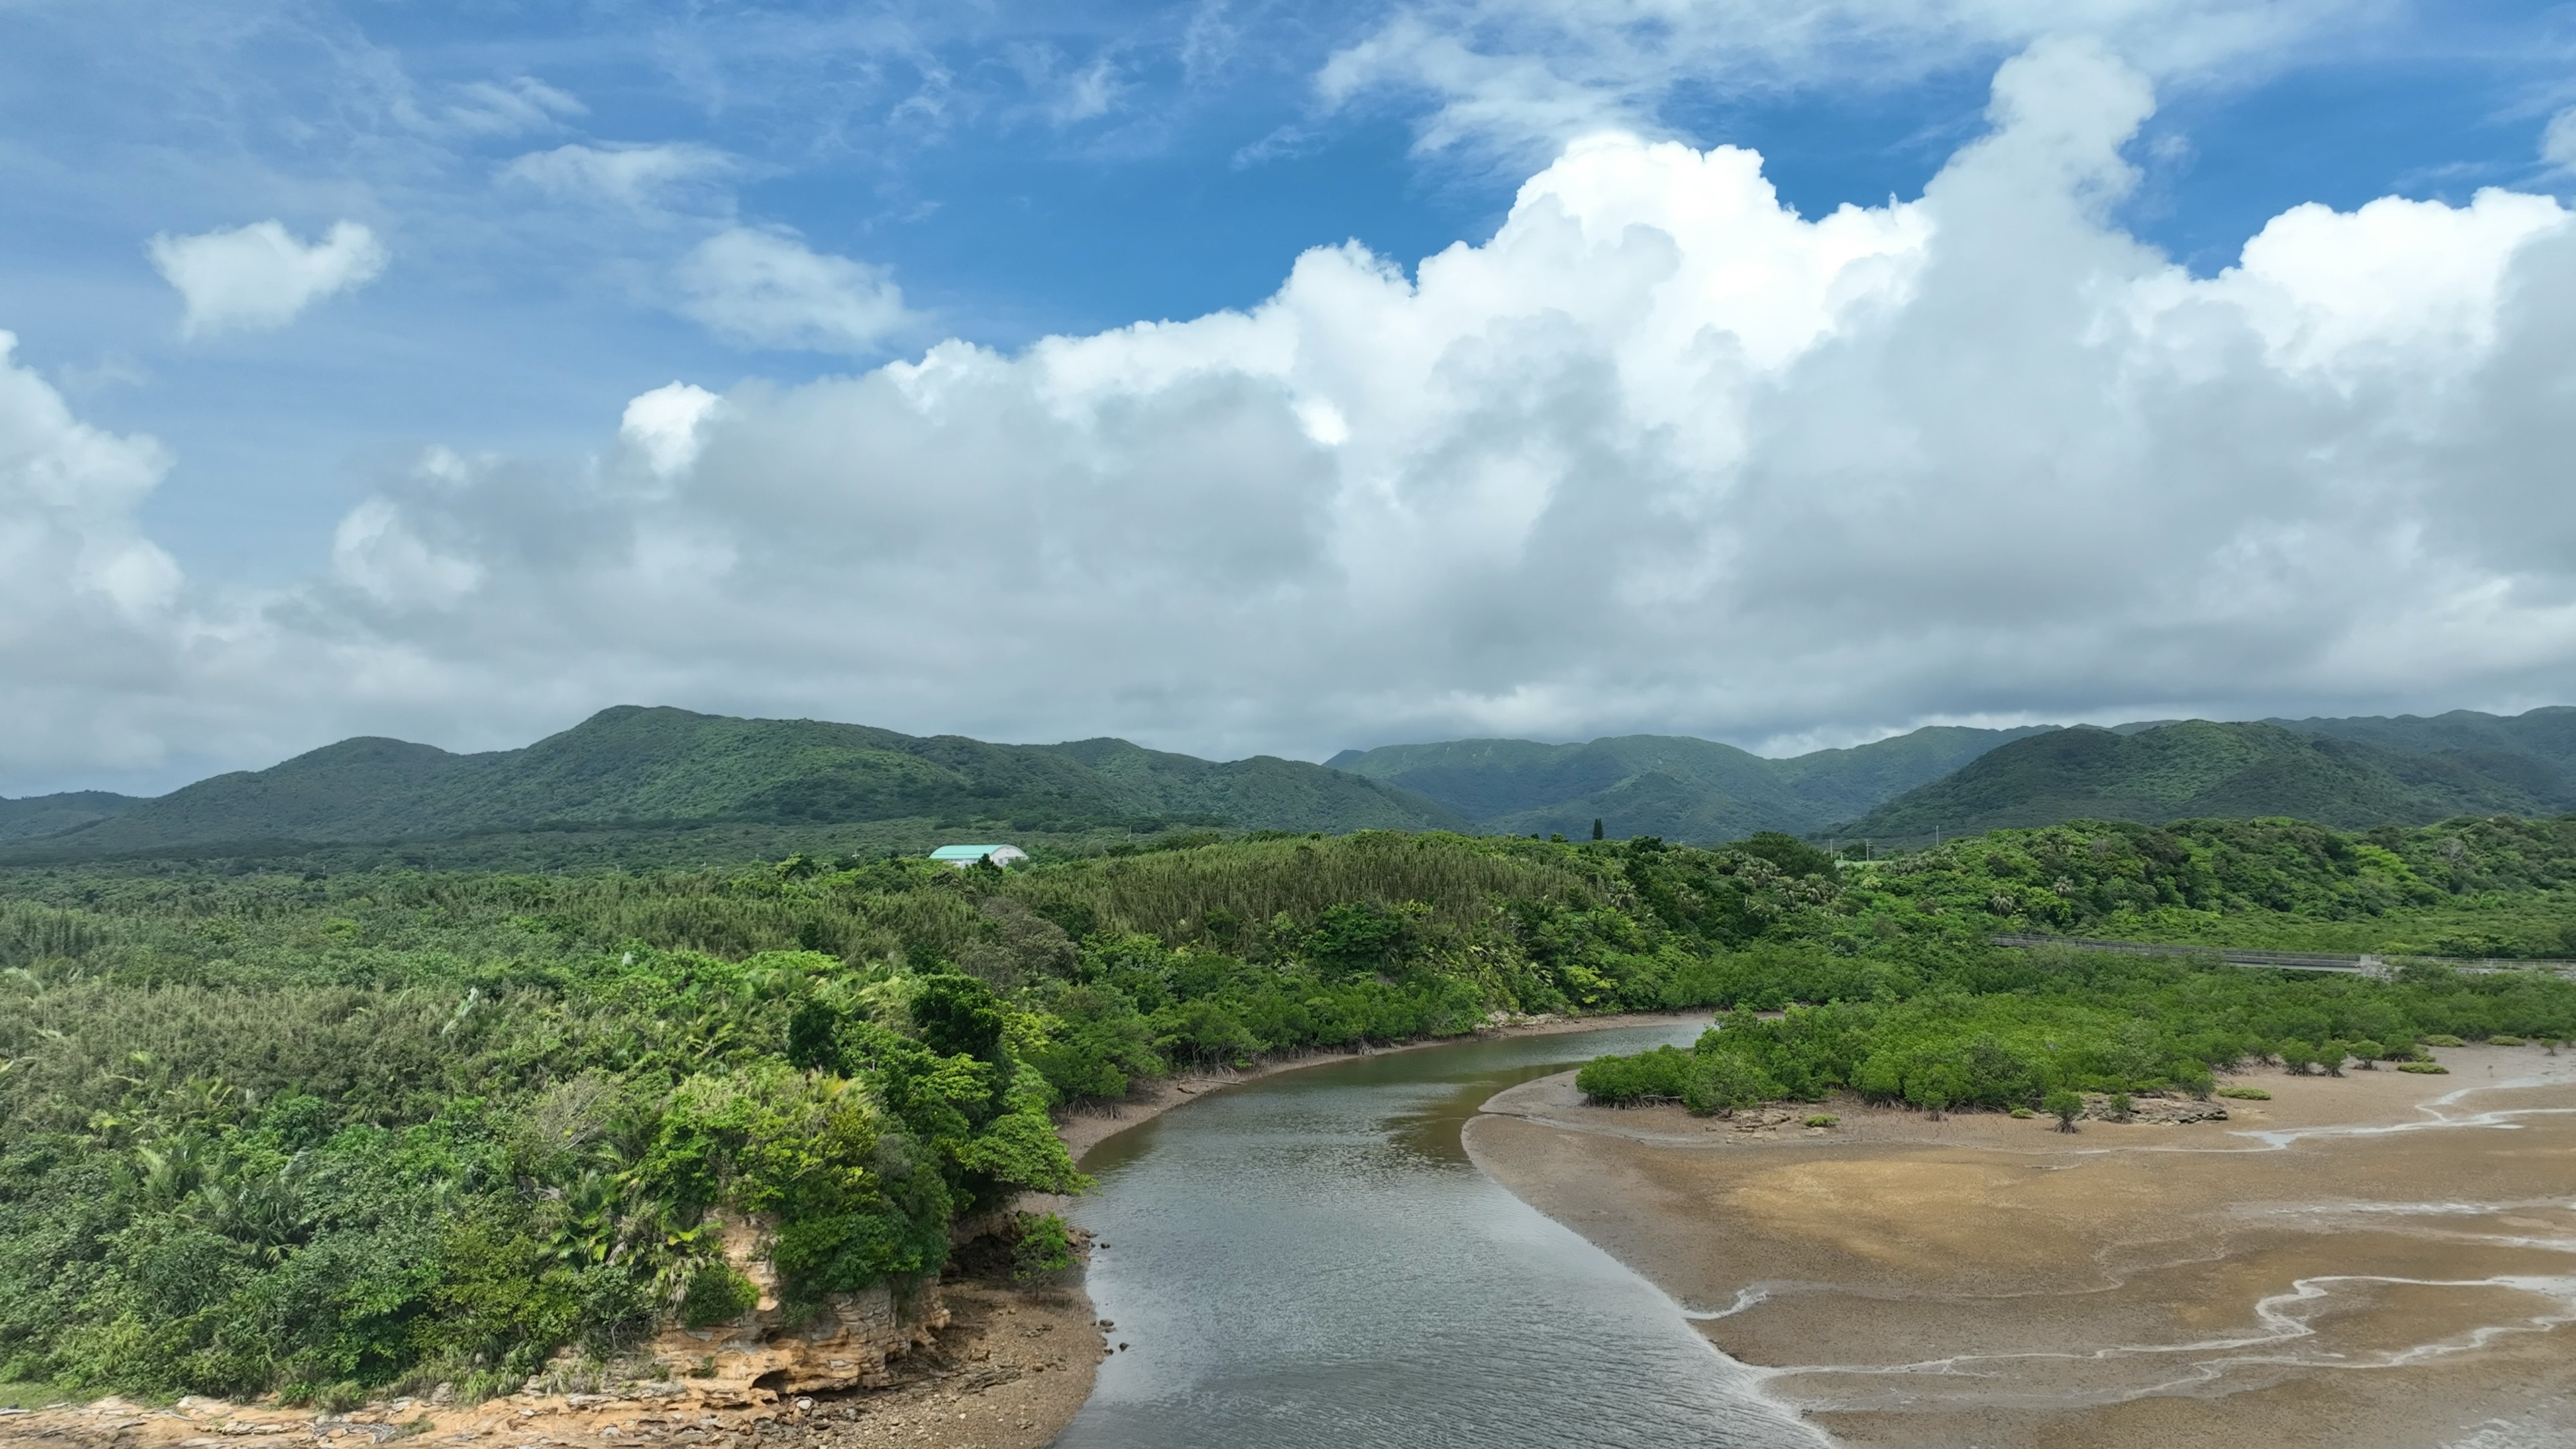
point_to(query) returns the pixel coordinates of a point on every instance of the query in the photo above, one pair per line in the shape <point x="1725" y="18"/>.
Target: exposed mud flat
<point x="2383" y="1258"/>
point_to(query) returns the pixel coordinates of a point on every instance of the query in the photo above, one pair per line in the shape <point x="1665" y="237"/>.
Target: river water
<point x="1311" y="1259"/>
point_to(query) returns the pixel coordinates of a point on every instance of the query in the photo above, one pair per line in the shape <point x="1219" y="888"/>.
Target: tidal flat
<point x="2382" y="1258"/>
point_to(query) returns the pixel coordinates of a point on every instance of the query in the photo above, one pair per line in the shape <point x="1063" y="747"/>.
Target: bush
<point x="717" y="1293"/>
<point x="2443" y="1039"/>
<point x="2506" y="1041"/>
<point x="1721" y="1081"/>
<point x="2246" y="1094"/>
<point x="2429" y="1069"/>
<point x="1041" y="1246"/>
<point x="1823" y="1119"/>
<point x="2063" y="1105"/>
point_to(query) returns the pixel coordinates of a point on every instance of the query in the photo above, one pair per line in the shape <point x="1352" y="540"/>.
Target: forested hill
<point x="1671" y="786"/>
<point x="1949" y="780"/>
<point x="2352" y="773"/>
<point x="638" y="767"/>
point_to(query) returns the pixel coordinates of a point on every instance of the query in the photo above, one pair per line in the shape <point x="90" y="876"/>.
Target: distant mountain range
<point x="640" y="769"/>
<point x="1668" y="785"/>
<point x="1946" y="780"/>
<point x="634" y="767"/>
<point x="2349" y="772"/>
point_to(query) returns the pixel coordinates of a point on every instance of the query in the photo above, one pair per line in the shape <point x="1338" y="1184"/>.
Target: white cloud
<point x="767" y="289"/>
<point x="501" y="108"/>
<point x="86" y="616"/>
<point x="2558" y="140"/>
<point x="641" y="178"/>
<point x="1659" y="453"/>
<point x="664" y="425"/>
<point x="1513" y="73"/>
<point x="258" y="277"/>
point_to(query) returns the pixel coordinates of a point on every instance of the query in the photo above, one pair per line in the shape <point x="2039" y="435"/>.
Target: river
<point x="1311" y="1259"/>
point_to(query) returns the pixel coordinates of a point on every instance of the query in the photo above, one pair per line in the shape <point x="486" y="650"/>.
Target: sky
<point x="1245" y="377"/>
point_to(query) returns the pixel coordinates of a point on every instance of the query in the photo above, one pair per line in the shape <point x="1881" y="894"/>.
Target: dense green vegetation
<point x="329" y="1128"/>
<point x="631" y="768"/>
<point x="1886" y="991"/>
<point x="2343" y="774"/>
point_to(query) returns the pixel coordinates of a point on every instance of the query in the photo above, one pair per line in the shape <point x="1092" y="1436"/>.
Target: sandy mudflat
<point x="2382" y="1259"/>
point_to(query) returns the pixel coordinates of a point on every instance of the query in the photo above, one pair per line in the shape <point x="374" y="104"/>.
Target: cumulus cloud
<point x="767" y="289"/>
<point x="664" y="424"/>
<point x="86" y="601"/>
<point x="1659" y="454"/>
<point x="258" y="277"/>
<point x="640" y="178"/>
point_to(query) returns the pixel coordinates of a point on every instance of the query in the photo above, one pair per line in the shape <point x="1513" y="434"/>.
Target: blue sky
<point x="1016" y="171"/>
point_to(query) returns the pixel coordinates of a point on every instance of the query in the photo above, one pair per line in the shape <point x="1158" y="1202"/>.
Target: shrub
<point x="2506" y="1041"/>
<point x="2121" y="1107"/>
<point x="717" y="1293"/>
<point x="1722" y="1081"/>
<point x="1041" y="1246"/>
<point x="2246" y="1094"/>
<point x="2023" y="1112"/>
<point x="2429" y="1069"/>
<point x="2063" y="1105"/>
<point x="1823" y="1119"/>
<point x="2443" y="1039"/>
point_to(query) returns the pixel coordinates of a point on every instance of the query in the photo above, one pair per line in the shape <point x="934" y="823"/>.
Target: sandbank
<point x="2381" y="1258"/>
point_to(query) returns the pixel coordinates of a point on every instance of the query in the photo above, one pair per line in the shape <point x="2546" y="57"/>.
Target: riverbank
<point x="1009" y="1371"/>
<point x="2382" y="1258"/>
<point x="1085" y="1128"/>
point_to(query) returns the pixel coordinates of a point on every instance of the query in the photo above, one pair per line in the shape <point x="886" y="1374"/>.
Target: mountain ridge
<point x="2195" y="769"/>
<point x="634" y="765"/>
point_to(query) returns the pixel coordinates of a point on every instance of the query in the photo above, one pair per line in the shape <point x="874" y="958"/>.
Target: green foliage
<point x="1823" y="1119"/>
<point x="2245" y="1094"/>
<point x="290" y="1132"/>
<point x="1040" y="1245"/>
<point x="2429" y="1069"/>
<point x="2064" y="1105"/>
<point x="717" y="1292"/>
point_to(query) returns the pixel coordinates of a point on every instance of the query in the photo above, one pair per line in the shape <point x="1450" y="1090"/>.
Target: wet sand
<point x="2383" y="1258"/>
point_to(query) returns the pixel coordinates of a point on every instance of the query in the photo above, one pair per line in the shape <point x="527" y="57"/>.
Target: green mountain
<point x="2324" y="770"/>
<point x="632" y="767"/>
<point x="40" y="815"/>
<point x="2547" y="734"/>
<point x="1668" y="785"/>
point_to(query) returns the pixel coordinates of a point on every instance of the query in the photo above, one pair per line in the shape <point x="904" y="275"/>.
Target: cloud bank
<point x="256" y="278"/>
<point x="1658" y="454"/>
